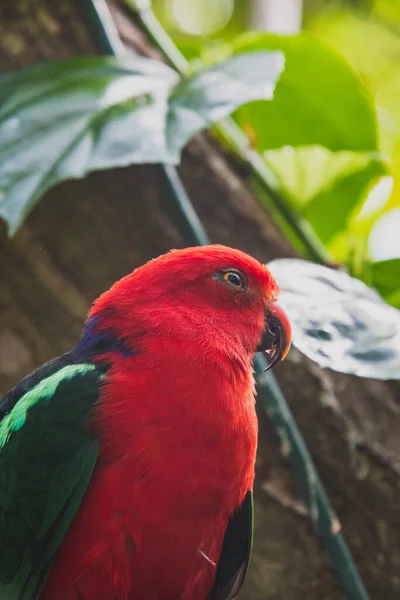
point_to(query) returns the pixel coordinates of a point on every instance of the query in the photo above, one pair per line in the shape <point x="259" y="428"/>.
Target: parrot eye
<point x="234" y="278"/>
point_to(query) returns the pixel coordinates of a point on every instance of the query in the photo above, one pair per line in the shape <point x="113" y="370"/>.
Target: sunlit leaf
<point x="394" y="201"/>
<point x="318" y="134"/>
<point x="384" y="239"/>
<point x="385" y="276"/>
<point x="318" y="100"/>
<point x="350" y="245"/>
<point x="377" y="62"/>
<point x="338" y="321"/>
<point x="325" y="186"/>
<point x="388" y="10"/>
<point x="307" y="170"/>
<point x="64" y="119"/>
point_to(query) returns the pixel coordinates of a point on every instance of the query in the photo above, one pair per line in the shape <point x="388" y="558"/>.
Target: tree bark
<point x="86" y="234"/>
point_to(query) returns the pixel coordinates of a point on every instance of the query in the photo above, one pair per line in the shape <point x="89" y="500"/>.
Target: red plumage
<point x="177" y="427"/>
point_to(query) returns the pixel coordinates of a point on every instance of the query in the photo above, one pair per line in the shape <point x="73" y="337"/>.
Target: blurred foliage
<point x="63" y="119"/>
<point x="332" y="132"/>
<point x="370" y="42"/>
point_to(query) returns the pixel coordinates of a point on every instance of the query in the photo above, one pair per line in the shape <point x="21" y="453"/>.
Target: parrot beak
<point x="277" y="336"/>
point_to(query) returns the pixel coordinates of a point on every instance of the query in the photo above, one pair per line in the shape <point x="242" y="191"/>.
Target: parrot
<point x="127" y="464"/>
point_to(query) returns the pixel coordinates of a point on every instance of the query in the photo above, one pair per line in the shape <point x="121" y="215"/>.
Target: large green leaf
<point x="372" y="48"/>
<point x="325" y="186"/>
<point x="318" y="100"/>
<point x="318" y="134"/>
<point x="63" y="119"/>
<point x="338" y="321"/>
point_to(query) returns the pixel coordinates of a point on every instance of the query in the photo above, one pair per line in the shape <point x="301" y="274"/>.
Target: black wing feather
<point x="235" y="553"/>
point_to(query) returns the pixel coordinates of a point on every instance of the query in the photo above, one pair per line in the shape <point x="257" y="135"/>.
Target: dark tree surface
<point x="85" y="234"/>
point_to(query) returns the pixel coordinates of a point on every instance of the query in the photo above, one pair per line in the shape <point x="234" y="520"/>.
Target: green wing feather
<point x="46" y="461"/>
<point x="235" y="553"/>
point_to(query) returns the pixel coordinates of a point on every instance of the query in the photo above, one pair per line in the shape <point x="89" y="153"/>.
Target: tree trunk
<point x="86" y="234"/>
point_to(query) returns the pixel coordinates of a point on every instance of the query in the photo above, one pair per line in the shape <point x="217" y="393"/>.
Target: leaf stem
<point x="235" y="138"/>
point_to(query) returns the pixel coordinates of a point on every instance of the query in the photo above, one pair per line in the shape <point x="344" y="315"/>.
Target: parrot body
<point x="126" y="465"/>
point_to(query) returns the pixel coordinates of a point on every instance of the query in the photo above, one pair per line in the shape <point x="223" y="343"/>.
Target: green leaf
<point x="63" y="119"/>
<point x="385" y="277"/>
<point x="372" y="48"/>
<point x="318" y="134"/>
<point x="214" y="93"/>
<point x="307" y="171"/>
<point x="338" y="321"/>
<point x="384" y="239"/>
<point x="318" y="100"/>
<point x="350" y="246"/>
<point x="325" y="186"/>
<point x="331" y="210"/>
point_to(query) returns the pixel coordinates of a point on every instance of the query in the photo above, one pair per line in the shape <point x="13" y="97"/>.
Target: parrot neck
<point x="96" y="341"/>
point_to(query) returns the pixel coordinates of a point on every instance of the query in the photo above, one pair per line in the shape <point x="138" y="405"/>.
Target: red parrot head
<point x="212" y="295"/>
